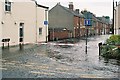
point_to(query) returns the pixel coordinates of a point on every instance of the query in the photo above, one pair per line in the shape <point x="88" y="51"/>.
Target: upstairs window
<point x="7" y="5"/>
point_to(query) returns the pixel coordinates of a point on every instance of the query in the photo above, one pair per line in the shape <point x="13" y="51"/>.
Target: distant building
<point x="22" y="22"/>
<point x="98" y="25"/>
<point x="117" y="19"/>
<point x="105" y="24"/>
<point x="65" y="22"/>
<point x="93" y="22"/>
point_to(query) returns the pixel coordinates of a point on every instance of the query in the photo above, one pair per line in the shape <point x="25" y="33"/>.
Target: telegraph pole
<point x="113" y="19"/>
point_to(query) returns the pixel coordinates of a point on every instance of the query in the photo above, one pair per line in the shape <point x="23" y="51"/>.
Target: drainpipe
<point x="36" y="19"/>
<point x="79" y="27"/>
<point x="53" y="34"/>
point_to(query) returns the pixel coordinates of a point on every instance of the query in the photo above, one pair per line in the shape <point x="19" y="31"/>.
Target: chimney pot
<point x="71" y="6"/>
<point x="77" y="11"/>
<point x="116" y="3"/>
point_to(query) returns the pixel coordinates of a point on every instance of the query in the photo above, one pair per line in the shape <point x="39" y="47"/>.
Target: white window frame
<point x="7" y="6"/>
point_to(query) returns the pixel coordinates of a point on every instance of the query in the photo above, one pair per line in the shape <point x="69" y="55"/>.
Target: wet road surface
<point x="58" y="60"/>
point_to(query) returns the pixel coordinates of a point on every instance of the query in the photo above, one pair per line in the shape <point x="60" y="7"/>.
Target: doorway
<point x="21" y="32"/>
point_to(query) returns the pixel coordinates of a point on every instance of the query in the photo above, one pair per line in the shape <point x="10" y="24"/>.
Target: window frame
<point x="40" y="31"/>
<point x="7" y="6"/>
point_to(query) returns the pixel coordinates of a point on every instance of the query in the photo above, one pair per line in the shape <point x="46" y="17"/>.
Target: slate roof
<point x="71" y="11"/>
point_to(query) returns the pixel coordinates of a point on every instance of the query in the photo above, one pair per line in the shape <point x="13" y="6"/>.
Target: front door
<point x="21" y="32"/>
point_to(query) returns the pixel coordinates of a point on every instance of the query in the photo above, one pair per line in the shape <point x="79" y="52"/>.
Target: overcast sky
<point x="98" y="7"/>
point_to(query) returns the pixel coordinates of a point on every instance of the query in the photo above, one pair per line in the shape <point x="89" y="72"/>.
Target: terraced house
<point x="65" y="22"/>
<point x="98" y="25"/>
<point x="22" y="21"/>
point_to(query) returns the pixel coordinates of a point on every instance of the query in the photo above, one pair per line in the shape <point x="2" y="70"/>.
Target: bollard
<point x="3" y="46"/>
<point x="8" y="44"/>
<point x="100" y="44"/>
<point x="20" y="45"/>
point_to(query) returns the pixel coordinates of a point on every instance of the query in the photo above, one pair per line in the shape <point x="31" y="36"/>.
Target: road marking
<point x="89" y="76"/>
<point x="3" y="68"/>
<point x="27" y="65"/>
<point x="44" y="73"/>
<point x="10" y="63"/>
<point x="62" y="69"/>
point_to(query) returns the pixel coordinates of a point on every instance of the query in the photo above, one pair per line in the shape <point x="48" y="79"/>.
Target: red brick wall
<point x="107" y="28"/>
<point x="58" y="35"/>
<point x="76" y="26"/>
<point x="82" y="32"/>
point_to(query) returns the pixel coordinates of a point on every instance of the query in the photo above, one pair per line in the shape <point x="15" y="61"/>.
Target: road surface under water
<point x="58" y="60"/>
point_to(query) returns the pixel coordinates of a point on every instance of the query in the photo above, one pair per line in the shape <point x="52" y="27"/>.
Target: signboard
<point x="45" y="22"/>
<point x="88" y="22"/>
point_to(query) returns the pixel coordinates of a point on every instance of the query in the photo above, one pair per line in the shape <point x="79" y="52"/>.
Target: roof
<point x="38" y="5"/>
<point x="102" y="20"/>
<point x="70" y="11"/>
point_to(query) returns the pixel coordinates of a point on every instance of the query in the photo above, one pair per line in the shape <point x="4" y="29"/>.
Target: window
<point x="40" y="31"/>
<point x="21" y="29"/>
<point x="7" y="5"/>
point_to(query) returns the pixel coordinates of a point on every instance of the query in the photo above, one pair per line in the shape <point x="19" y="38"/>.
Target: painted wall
<point x="0" y="39"/>
<point x="23" y="12"/>
<point x="42" y="15"/>
<point x="0" y="22"/>
<point x="60" y="18"/>
<point x="20" y="13"/>
<point x="117" y="20"/>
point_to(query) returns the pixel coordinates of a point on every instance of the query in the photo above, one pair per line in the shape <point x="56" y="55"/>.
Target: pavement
<point x="58" y="60"/>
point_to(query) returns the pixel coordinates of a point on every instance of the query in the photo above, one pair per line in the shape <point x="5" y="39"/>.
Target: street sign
<point x="45" y="22"/>
<point x="87" y="22"/>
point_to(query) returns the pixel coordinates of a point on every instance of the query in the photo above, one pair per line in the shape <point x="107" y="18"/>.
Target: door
<point x="21" y="32"/>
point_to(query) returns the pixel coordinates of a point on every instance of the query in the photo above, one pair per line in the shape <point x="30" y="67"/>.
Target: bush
<point x="114" y="40"/>
<point x="109" y="51"/>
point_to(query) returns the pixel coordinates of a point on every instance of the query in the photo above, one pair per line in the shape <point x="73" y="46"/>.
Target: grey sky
<point x="98" y="7"/>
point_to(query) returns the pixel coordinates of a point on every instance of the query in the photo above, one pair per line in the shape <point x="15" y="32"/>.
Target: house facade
<point x="93" y="22"/>
<point x="117" y="19"/>
<point x="105" y="27"/>
<point x="65" y="22"/>
<point x="22" y="22"/>
<point x="99" y="25"/>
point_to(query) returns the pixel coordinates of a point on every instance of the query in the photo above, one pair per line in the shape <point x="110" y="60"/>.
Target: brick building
<point x="65" y="22"/>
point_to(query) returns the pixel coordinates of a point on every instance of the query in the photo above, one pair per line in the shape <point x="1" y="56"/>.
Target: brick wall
<point x="59" y="35"/>
<point x="76" y="26"/>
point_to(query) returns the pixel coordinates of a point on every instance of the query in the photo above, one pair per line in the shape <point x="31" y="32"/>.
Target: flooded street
<point x="59" y="60"/>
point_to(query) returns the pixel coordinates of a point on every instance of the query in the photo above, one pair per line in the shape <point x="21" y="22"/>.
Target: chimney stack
<point x="116" y="3"/>
<point x="71" y="6"/>
<point x="77" y="11"/>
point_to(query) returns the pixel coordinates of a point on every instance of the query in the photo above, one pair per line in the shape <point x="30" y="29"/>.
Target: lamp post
<point x="113" y="19"/>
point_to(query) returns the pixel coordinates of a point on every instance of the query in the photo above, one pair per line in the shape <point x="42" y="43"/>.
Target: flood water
<point x="62" y="59"/>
